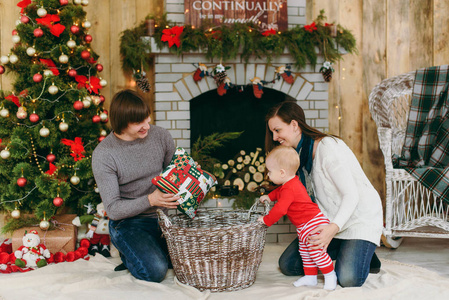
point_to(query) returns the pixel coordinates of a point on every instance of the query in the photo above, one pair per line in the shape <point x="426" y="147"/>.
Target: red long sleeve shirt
<point x="293" y="201"/>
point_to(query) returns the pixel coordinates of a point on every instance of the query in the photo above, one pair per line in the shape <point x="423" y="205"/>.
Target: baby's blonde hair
<point x="285" y="157"/>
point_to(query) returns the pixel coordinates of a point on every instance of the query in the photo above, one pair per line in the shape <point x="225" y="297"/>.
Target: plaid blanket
<point x="425" y="154"/>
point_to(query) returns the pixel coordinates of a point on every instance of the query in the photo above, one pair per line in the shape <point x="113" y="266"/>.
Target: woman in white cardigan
<point x="336" y="182"/>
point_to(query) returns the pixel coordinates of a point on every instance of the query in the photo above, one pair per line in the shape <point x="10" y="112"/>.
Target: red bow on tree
<point x="14" y="99"/>
<point x="269" y="32"/>
<point x="93" y="84"/>
<point x="49" y="21"/>
<point x="51" y="170"/>
<point x="23" y="4"/>
<point x="76" y="147"/>
<point x="51" y="65"/>
<point x="310" y="28"/>
<point x="172" y="36"/>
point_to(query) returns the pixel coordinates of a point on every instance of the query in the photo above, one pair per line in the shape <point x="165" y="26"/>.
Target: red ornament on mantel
<point x="22" y="182"/>
<point x="58" y="201"/>
<point x="51" y="157"/>
<point x="74" y="29"/>
<point x="38" y="32"/>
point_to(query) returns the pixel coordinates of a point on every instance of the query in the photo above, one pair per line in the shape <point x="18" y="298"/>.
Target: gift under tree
<point x="53" y="118"/>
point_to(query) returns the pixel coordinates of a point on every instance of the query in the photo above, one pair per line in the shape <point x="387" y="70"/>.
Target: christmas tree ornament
<point x="22" y="181"/>
<point x="86" y="103"/>
<point x="78" y="105"/>
<point x="103" y="82"/>
<point x="63" y="126"/>
<point x="24" y="19"/>
<point x="74" y="29"/>
<point x="63" y="59"/>
<point x="15" y="213"/>
<point x="99" y="67"/>
<point x="88" y="38"/>
<point x="71" y="43"/>
<point x="63" y="2"/>
<point x="86" y="24"/>
<point x="4" y="113"/>
<point x="41" y="12"/>
<point x="84" y="2"/>
<point x="15" y="39"/>
<point x="5" y="154"/>
<point x="77" y="2"/>
<point x="38" y="32"/>
<point x="101" y="138"/>
<point x="21" y="113"/>
<point x="96" y="188"/>
<point x="48" y="73"/>
<point x="75" y="180"/>
<point x="327" y="71"/>
<point x="4" y="59"/>
<point x="53" y="89"/>
<point x="102" y="98"/>
<point x="34" y="117"/>
<point x="96" y="119"/>
<point x="14" y="32"/>
<point x="18" y="22"/>
<point x="72" y="72"/>
<point x="31" y="51"/>
<point x="44" y="132"/>
<point x="85" y="54"/>
<point x="2" y="70"/>
<point x="103" y="132"/>
<point x="58" y="201"/>
<point x="44" y="224"/>
<point x="96" y="100"/>
<point x="13" y="58"/>
<point x="37" y="77"/>
<point x="104" y="117"/>
<point x="51" y="157"/>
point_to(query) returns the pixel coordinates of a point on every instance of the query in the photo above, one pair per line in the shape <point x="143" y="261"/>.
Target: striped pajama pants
<point x="313" y="259"/>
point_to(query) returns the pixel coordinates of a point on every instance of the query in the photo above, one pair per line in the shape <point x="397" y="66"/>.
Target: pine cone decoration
<point x="143" y="83"/>
<point x="327" y="75"/>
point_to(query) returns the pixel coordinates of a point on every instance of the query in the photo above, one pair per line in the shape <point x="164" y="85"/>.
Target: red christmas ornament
<point x="88" y="38"/>
<point x="38" y="32"/>
<point x="96" y="119"/>
<point x="72" y="73"/>
<point x="63" y="2"/>
<point x="85" y="54"/>
<point x="34" y="117"/>
<point x="2" y="70"/>
<point x="101" y="138"/>
<point x="37" y="77"/>
<point x="24" y="19"/>
<point x="74" y="29"/>
<point x="58" y="201"/>
<point x="22" y="182"/>
<point x="78" y="105"/>
<point x="102" y="99"/>
<point x="51" y="157"/>
<point x="99" y="67"/>
<point x="14" y="32"/>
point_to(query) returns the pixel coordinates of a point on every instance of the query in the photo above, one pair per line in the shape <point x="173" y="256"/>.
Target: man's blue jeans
<point x="142" y="248"/>
<point x="353" y="258"/>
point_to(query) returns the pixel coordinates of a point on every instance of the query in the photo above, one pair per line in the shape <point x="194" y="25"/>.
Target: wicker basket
<point x="218" y="250"/>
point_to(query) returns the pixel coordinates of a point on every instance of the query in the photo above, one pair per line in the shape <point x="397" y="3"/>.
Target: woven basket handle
<point x="253" y="208"/>
<point x="164" y="218"/>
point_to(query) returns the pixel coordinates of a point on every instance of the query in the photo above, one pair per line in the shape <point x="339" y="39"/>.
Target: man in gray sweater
<point x="123" y="165"/>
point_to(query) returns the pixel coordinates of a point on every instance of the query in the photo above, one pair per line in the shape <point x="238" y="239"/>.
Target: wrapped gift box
<point x="62" y="239"/>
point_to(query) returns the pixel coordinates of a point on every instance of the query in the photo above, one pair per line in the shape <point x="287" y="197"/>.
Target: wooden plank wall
<point x="393" y="37"/>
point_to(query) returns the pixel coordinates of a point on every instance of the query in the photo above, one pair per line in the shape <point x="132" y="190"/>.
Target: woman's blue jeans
<point x="353" y="259"/>
<point x="142" y="248"/>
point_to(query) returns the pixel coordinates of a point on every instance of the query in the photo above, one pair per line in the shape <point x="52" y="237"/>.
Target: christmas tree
<point x="53" y="118"/>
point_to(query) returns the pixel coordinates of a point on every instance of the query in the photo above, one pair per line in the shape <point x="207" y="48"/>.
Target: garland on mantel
<point x="227" y="41"/>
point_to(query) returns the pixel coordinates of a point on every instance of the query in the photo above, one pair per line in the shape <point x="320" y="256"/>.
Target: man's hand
<point x="263" y="198"/>
<point x="157" y="198"/>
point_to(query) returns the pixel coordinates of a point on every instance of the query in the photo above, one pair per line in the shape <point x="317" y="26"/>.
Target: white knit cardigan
<point x="344" y="193"/>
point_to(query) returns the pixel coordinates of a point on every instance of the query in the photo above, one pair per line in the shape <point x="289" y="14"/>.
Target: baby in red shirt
<point x="292" y="200"/>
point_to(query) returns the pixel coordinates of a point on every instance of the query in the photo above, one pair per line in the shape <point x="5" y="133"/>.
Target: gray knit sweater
<point x="123" y="171"/>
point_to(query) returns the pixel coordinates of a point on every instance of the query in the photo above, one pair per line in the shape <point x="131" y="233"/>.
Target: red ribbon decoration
<point x="14" y="99"/>
<point x="51" y="65"/>
<point x="92" y="85"/>
<point x="49" y="21"/>
<point x="76" y="147"/>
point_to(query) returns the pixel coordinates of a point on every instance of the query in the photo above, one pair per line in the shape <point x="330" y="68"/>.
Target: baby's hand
<point x="263" y="198"/>
<point x="260" y="219"/>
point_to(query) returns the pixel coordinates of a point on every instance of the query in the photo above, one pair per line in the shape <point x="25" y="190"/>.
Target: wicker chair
<point x="411" y="210"/>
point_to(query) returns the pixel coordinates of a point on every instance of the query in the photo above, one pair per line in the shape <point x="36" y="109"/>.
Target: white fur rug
<point x="96" y="279"/>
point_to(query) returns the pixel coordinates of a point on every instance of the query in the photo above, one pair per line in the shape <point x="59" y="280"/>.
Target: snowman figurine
<point x="32" y="253"/>
<point x="99" y="233"/>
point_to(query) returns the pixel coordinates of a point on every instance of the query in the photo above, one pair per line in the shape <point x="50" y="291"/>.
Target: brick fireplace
<point x="175" y="88"/>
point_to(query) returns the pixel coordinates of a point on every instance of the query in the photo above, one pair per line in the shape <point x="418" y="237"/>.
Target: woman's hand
<point x="324" y="235"/>
<point x="157" y="198"/>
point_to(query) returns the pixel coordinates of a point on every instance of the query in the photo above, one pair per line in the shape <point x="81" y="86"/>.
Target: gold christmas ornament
<point x="4" y="59"/>
<point x="15" y="39"/>
<point x="63" y="59"/>
<point x="86" y="103"/>
<point x="5" y="154"/>
<point x="71" y="44"/>
<point x="21" y="113"/>
<point x="87" y="24"/>
<point x="103" y="83"/>
<point x="13" y="58"/>
<point x="41" y="12"/>
<point x="44" y="224"/>
<point x="4" y="113"/>
<point x="44" y="131"/>
<point x="103" y="132"/>
<point x="63" y="126"/>
<point x="15" y="213"/>
<point x="31" y="51"/>
<point x="53" y="89"/>
<point x="75" y="180"/>
<point x="48" y="73"/>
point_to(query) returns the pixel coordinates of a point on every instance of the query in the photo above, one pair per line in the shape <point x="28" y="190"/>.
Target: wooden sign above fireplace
<point x="267" y="14"/>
